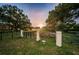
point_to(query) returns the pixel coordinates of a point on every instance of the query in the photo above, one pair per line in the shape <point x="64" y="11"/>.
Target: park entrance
<point x="33" y="34"/>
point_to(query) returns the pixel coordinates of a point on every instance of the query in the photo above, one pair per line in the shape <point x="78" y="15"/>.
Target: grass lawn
<point x="31" y="47"/>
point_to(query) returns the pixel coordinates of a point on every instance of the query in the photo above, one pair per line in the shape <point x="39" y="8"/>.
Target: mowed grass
<point x="27" y="46"/>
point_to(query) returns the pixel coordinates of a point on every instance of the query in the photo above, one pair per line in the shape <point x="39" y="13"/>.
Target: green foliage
<point x="63" y="16"/>
<point x="14" y="17"/>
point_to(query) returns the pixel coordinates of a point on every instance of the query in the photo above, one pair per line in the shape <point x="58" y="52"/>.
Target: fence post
<point x="1" y="35"/>
<point x="59" y="38"/>
<point x="12" y="34"/>
<point x="37" y="35"/>
<point x="21" y="33"/>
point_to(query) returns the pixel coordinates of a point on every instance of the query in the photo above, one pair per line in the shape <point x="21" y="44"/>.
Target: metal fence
<point x="71" y="37"/>
<point x="16" y="35"/>
<point x="29" y="34"/>
<point x="9" y="35"/>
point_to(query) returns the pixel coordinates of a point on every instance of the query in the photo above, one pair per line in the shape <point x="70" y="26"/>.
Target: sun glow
<point x="41" y="25"/>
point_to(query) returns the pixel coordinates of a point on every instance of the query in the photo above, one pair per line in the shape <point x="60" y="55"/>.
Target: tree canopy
<point x="63" y="17"/>
<point x="14" y="17"/>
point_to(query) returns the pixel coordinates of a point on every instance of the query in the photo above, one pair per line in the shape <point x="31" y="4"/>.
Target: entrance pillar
<point x="59" y="38"/>
<point x="37" y="35"/>
<point x="21" y="33"/>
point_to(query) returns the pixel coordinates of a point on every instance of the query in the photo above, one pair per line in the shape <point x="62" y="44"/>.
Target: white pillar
<point x="59" y="38"/>
<point x="21" y="33"/>
<point x="37" y="35"/>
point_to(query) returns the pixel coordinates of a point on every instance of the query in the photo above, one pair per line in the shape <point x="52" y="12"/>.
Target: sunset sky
<point x="36" y="12"/>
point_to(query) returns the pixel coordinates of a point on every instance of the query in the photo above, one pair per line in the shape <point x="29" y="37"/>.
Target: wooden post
<point x="59" y="38"/>
<point x="1" y="35"/>
<point x="37" y="35"/>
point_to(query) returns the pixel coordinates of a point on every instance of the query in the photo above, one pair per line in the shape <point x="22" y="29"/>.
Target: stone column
<point x="59" y="38"/>
<point x="21" y="33"/>
<point x="37" y="35"/>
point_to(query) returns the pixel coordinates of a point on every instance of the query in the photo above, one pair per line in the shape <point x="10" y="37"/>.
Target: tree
<point x="14" y="17"/>
<point x="63" y="16"/>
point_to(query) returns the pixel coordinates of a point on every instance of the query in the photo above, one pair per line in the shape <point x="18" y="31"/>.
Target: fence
<point x="9" y="35"/>
<point x="71" y="37"/>
<point x="16" y="35"/>
<point x="28" y="34"/>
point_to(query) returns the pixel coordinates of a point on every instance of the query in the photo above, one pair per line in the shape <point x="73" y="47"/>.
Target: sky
<point x="36" y="12"/>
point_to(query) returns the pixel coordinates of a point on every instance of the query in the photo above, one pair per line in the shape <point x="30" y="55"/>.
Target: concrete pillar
<point x="21" y="33"/>
<point x="37" y="35"/>
<point x="59" y="38"/>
